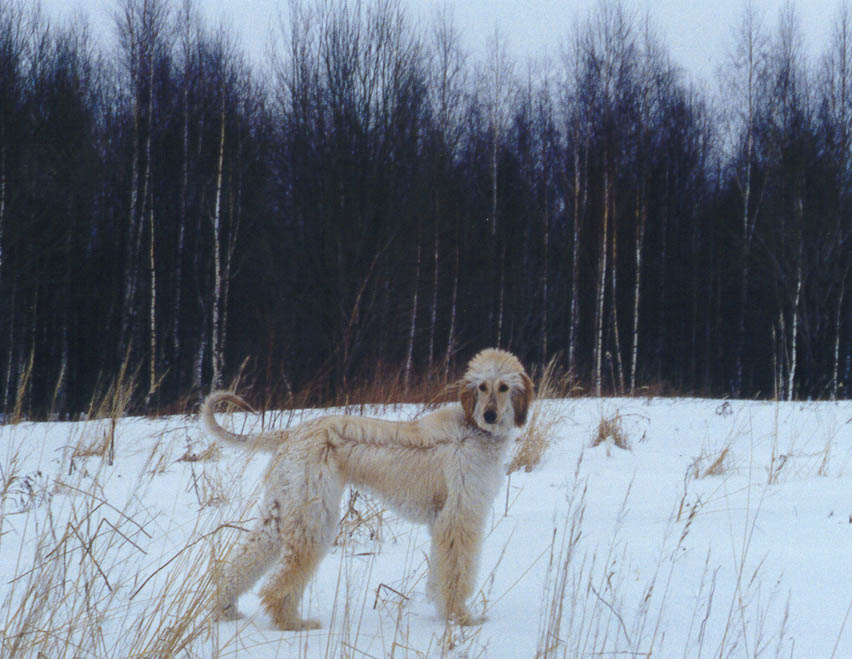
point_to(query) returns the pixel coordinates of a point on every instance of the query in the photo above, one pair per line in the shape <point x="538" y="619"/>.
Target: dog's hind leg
<point x="282" y="594"/>
<point x="306" y="537"/>
<point x="245" y="565"/>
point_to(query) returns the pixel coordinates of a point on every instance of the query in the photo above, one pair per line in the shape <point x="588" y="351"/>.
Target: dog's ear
<point x="522" y="399"/>
<point x="467" y="398"/>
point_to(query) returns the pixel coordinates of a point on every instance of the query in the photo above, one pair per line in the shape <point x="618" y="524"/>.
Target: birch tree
<point x="187" y="29"/>
<point x="837" y="85"/>
<point x="142" y="32"/>
<point x="498" y="86"/>
<point x="608" y="52"/>
<point x="742" y="88"/>
<point x="12" y="29"/>
<point x="447" y="85"/>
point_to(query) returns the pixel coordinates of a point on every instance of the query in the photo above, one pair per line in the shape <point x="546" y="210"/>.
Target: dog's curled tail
<point x="210" y="424"/>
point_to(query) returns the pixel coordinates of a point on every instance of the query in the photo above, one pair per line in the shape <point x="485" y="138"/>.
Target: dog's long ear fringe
<point x="522" y="399"/>
<point x="467" y="397"/>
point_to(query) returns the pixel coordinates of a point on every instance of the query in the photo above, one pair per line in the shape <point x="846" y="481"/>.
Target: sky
<point x="698" y="34"/>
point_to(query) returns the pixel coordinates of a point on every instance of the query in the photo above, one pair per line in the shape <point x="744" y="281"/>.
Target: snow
<point x="597" y="550"/>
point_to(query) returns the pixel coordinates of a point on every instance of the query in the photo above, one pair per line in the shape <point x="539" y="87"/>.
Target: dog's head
<point x="496" y="392"/>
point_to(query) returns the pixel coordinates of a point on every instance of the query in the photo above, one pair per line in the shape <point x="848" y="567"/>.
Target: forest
<point x="375" y="202"/>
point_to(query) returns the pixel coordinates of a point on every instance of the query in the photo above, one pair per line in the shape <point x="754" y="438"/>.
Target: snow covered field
<point x="723" y="529"/>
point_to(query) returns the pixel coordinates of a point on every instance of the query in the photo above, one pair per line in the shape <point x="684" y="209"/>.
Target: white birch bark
<point x="412" y="326"/>
<point x="216" y="340"/>
<point x="451" y="337"/>
<point x="601" y="286"/>
<point x="11" y="374"/>
<point x="619" y="362"/>
<point x="835" y="370"/>
<point x="641" y="218"/>
<point x="791" y="376"/>
<point x="2" y="194"/>
<point x="436" y="263"/>
<point x="544" y="279"/>
<point x="750" y="47"/>
<point x="574" y="319"/>
<point x="153" y="382"/>
<point x="186" y="48"/>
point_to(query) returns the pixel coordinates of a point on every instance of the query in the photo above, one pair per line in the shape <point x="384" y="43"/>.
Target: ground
<point x="672" y="527"/>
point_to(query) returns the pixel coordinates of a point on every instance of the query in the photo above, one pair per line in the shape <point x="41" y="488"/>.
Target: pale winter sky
<point x="698" y="33"/>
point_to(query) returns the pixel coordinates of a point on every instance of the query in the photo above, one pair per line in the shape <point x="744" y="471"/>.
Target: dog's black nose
<point x="490" y="416"/>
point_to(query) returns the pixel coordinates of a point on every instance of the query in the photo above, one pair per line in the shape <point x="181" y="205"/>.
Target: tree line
<point x="374" y="200"/>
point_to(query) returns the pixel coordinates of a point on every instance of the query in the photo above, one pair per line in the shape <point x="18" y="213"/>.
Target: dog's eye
<point x="482" y="387"/>
<point x="504" y="387"/>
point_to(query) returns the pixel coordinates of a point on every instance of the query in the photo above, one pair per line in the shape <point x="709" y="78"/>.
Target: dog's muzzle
<point x="490" y="416"/>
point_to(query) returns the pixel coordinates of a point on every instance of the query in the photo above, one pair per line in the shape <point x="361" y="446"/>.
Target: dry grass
<point x="610" y="432"/>
<point x="710" y="464"/>
<point x="94" y="577"/>
<point x="363" y="519"/>
<point x="107" y="407"/>
<point x="211" y="453"/>
<point x="543" y="420"/>
<point x="17" y="414"/>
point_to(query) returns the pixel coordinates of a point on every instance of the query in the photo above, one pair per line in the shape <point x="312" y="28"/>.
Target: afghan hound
<point x="443" y="470"/>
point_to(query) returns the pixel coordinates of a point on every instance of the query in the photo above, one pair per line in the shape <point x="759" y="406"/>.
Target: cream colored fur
<point x="442" y="470"/>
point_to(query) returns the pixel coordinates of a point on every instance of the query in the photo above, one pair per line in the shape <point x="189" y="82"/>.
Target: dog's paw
<point x="467" y="619"/>
<point x="225" y="613"/>
<point x="297" y="624"/>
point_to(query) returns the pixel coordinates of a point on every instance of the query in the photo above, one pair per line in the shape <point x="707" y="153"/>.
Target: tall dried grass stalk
<point x="17" y="414"/>
<point x="543" y="421"/>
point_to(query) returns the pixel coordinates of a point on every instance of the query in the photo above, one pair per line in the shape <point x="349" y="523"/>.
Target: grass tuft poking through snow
<point x="610" y="432"/>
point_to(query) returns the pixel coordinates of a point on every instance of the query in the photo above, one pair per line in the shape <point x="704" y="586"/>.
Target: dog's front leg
<point x="456" y="541"/>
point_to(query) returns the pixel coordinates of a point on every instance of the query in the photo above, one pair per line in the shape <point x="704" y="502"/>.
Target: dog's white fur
<point x="442" y="470"/>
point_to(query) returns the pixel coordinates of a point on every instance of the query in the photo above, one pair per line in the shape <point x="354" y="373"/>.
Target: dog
<point x="443" y="470"/>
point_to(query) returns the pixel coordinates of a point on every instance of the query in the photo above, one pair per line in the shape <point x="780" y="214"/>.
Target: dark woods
<point x="375" y="202"/>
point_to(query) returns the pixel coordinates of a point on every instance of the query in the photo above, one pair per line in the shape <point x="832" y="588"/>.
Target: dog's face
<point x="496" y="392"/>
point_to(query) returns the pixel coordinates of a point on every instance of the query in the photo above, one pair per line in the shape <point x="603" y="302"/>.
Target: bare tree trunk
<point x="198" y="362"/>
<point x="153" y="382"/>
<point x="493" y="249"/>
<point x="234" y="219"/>
<point x="601" y="287"/>
<point x="579" y="203"/>
<point x="148" y="199"/>
<point x="662" y="292"/>
<point x="435" y="282"/>
<point x="835" y="371"/>
<point x="451" y="336"/>
<point x="641" y="218"/>
<point x="744" y="275"/>
<point x="776" y="375"/>
<point x="783" y="357"/>
<point x="751" y="36"/>
<point x="493" y="171"/>
<point x="545" y="239"/>
<point x="133" y="237"/>
<point x="501" y="295"/>
<point x="184" y="189"/>
<point x="216" y="352"/>
<point x="412" y="327"/>
<point x="60" y="394"/>
<point x="2" y="191"/>
<point x="11" y="373"/>
<point x="499" y="74"/>
<point x="619" y="362"/>
<point x="791" y="376"/>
